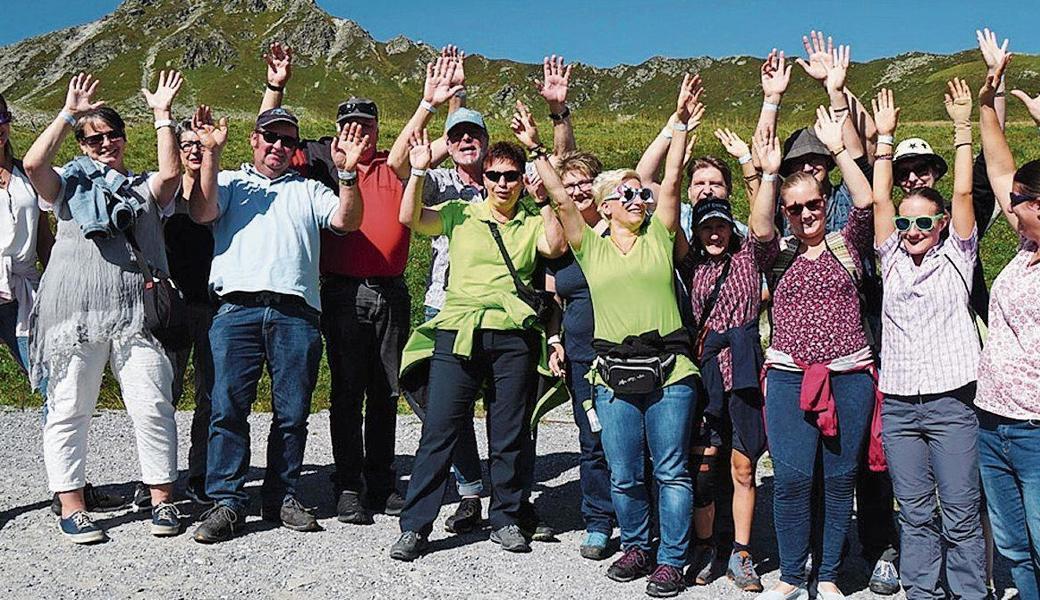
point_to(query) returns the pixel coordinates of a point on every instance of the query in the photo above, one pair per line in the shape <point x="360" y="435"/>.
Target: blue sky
<point x="608" y="32"/>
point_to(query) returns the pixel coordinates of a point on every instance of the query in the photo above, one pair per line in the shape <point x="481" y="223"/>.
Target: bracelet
<point x="430" y="107"/>
<point x="955" y="146"/>
<point x="752" y="177"/>
<point x="768" y="176"/>
<point x="677" y="126"/>
<point x="276" y="88"/>
<point x="998" y="95"/>
<point x="538" y="151"/>
<point x="543" y="203"/>
<point x="563" y="114"/>
<point x="418" y="172"/>
<point x="770" y="106"/>
<point x="554" y="339"/>
<point x="883" y="157"/>
<point x="837" y="152"/>
<point x="347" y="178"/>
<point x="160" y="123"/>
<point x="71" y="120"/>
<point x="840" y="110"/>
<point x="886" y="139"/>
<point x="744" y="159"/>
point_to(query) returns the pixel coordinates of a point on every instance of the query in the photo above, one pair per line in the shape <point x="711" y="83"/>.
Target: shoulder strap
<point x="783" y="262"/>
<point x="835" y="243"/>
<point x="971" y="309"/>
<point x="505" y="255"/>
<point x="709" y="303"/>
<point x="139" y="258"/>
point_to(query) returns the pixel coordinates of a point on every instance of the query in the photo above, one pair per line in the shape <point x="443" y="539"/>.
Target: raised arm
<point x="993" y="55"/>
<point x="203" y="205"/>
<point x="438" y="89"/>
<point x="413" y="214"/>
<point x="279" y="71"/>
<point x="38" y="160"/>
<point x="739" y="150"/>
<point x="958" y="106"/>
<point x="886" y="116"/>
<point x="829" y="129"/>
<point x="1000" y="164"/>
<point x="763" y="209"/>
<point x="553" y="87"/>
<point x="168" y="178"/>
<point x="688" y="114"/>
<point x="776" y="75"/>
<point x="347" y="149"/>
<point x="649" y="165"/>
<point x="837" y="71"/>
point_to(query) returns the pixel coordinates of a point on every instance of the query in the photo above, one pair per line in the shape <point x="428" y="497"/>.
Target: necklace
<point x="621" y="248"/>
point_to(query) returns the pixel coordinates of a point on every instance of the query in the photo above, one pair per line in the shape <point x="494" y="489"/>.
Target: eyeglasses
<point x="579" y="185"/>
<point x="6" y="117"/>
<point x="98" y="138"/>
<point x="796" y="209"/>
<point x="924" y="223"/>
<point x="288" y="141"/>
<point x="1017" y="199"/>
<point x="628" y="194"/>
<point x="189" y="146"/>
<point x="496" y="176"/>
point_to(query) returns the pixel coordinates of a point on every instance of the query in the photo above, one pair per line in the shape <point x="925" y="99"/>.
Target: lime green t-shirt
<point x="634" y="293"/>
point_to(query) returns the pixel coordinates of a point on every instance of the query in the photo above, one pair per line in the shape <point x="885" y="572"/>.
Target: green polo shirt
<point x="634" y="293"/>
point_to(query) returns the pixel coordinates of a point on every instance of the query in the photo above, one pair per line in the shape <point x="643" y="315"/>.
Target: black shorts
<point x="741" y="426"/>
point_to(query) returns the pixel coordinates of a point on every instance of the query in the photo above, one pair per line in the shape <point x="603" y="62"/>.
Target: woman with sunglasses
<point x="929" y="425"/>
<point x="820" y="392"/>
<point x="630" y="274"/>
<point x="90" y="311"/>
<point x="1008" y="395"/>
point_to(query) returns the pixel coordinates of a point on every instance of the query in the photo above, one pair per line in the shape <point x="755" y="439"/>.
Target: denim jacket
<point x="87" y="190"/>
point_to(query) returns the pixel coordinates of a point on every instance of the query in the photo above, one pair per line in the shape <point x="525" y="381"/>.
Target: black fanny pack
<point x="635" y="375"/>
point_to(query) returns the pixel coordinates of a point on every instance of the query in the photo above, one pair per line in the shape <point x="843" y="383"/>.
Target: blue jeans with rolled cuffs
<point x="661" y="421"/>
<point x="794" y="442"/>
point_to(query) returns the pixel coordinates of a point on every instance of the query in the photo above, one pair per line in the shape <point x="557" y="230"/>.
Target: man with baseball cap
<point x="366" y="307"/>
<point x="266" y="222"/>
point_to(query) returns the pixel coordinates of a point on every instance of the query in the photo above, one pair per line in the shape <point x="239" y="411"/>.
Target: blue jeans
<point x="18" y="345"/>
<point x="662" y="421"/>
<point x="1009" y="457"/>
<point x="597" y="509"/>
<point x="242" y="338"/>
<point x="794" y="442"/>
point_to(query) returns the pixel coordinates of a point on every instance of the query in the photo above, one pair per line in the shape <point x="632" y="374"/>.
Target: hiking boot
<point x="700" y="570"/>
<point x="196" y="491"/>
<point x="390" y="505"/>
<point x="79" y="529"/>
<point x="632" y="565"/>
<point x="217" y="524"/>
<point x="532" y="526"/>
<point x="595" y="545"/>
<point x="291" y="514"/>
<point x="741" y="569"/>
<point x="511" y="539"/>
<point x="885" y="578"/>
<point x="94" y="498"/>
<point x="665" y="582"/>
<point x="142" y="499"/>
<point x="166" y="520"/>
<point x="408" y="547"/>
<point x="466" y="517"/>
<point x="349" y="509"/>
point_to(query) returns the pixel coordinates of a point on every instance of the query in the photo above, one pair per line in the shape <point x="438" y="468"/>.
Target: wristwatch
<point x="566" y="112"/>
<point x="543" y="204"/>
<point x="347" y="178"/>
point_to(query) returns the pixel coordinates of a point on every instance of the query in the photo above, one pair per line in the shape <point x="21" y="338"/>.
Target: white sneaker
<point x="798" y="593"/>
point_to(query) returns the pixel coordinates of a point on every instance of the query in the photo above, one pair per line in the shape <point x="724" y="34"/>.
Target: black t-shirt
<point x="189" y="252"/>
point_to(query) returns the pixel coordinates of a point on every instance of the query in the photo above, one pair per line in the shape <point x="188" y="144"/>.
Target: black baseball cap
<point x="276" y="115"/>
<point x="356" y="107"/>
<point x="712" y="208"/>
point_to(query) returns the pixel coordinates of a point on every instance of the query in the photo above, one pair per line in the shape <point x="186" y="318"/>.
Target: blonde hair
<point x="608" y="181"/>
<point x="585" y="163"/>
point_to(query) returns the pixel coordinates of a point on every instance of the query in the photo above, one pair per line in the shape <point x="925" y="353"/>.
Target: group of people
<point x="889" y="373"/>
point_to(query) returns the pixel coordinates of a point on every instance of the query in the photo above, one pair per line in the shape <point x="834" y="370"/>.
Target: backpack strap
<point x="788" y="252"/>
<point x="835" y="243"/>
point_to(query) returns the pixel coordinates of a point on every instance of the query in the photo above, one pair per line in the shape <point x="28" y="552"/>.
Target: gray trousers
<point x="933" y="457"/>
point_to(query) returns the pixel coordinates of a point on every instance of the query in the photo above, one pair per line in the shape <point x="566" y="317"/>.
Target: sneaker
<point x="218" y="524"/>
<point x="196" y="491"/>
<point x="885" y="578"/>
<point x="532" y="526"/>
<point x="291" y="514"/>
<point x="466" y="517"/>
<point x="594" y="546"/>
<point x="700" y="570"/>
<point x="408" y="547"/>
<point x="390" y="505"/>
<point x="79" y="529"/>
<point x="511" y="539"/>
<point x="632" y="565"/>
<point x="349" y="509"/>
<point x="798" y="593"/>
<point x="94" y="498"/>
<point x="142" y="499"/>
<point x="166" y="520"/>
<point x="741" y="570"/>
<point x="665" y="582"/>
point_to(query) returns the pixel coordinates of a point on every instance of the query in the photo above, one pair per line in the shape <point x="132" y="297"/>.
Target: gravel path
<point x="271" y="562"/>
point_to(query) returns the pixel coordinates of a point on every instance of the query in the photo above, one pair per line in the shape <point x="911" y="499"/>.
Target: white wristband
<point x="418" y="172"/>
<point x="886" y="139"/>
<point x="555" y="339"/>
<point x="744" y="159"/>
<point x="666" y="132"/>
<point x="770" y="106"/>
<point x="346" y="175"/>
<point x="68" y="118"/>
<point x="769" y="176"/>
<point x="680" y="126"/>
<point x="160" y="123"/>
<point x="424" y="104"/>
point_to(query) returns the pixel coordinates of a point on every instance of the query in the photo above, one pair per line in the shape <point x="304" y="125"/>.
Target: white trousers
<point x="145" y="377"/>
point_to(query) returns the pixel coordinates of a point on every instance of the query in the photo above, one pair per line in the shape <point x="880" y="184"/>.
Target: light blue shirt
<point x="266" y="237"/>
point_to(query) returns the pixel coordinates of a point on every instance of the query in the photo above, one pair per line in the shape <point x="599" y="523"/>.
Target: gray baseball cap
<point x="464" y="115"/>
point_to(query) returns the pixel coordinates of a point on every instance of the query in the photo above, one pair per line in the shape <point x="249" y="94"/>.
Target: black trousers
<point x="506" y="361"/>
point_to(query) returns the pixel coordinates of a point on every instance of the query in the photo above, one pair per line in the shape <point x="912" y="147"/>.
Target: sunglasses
<point x="496" y="176"/>
<point x="363" y="107"/>
<point x="924" y="224"/>
<point x="627" y="194"/>
<point x="6" y="117"/>
<point x="1017" y="199"/>
<point x="189" y="146"/>
<point x="918" y="169"/>
<point x="288" y="141"/>
<point x="796" y="209"/>
<point x="98" y="138"/>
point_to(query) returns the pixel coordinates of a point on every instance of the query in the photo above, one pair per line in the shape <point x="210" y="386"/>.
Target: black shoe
<point x="666" y="581"/>
<point x="218" y="524"/>
<point x="632" y="565"/>
<point x="94" y="498"/>
<point x="408" y="547"/>
<point x="466" y="517"/>
<point x="349" y="509"/>
<point x="142" y="498"/>
<point x="292" y="515"/>
<point x="511" y="539"/>
<point x="196" y="491"/>
<point x="390" y="504"/>
<point x="532" y="525"/>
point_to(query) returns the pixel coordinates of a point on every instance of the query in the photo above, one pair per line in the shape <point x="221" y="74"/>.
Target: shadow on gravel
<point x="13" y="513"/>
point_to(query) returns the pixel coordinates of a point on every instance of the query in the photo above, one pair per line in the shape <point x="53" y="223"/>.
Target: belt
<point x="262" y="299"/>
<point x="965" y="393"/>
<point x="380" y="281"/>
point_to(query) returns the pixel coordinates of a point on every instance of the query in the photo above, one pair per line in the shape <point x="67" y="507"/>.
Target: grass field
<point x="618" y="144"/>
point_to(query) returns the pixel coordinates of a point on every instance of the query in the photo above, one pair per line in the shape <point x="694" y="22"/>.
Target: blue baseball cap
<point x="464" y="115"/>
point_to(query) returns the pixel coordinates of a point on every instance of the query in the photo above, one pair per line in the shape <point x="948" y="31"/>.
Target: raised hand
<point x="767" y="146"/>
<point x="776" y="75"/>
<point x="688" y="105"/>
<point x="420" y="153"/>
<point x="454" y="54"/>
<point x="886" y="113"/>
<point x="820" y="53"/>
<point x="524" y="127"/>
<point x="735" y="146"/>
<point x="349" y="146"/>
<point x="991" y="52"/>
<point x="81" y="92"/>
<point x="837" y="70"/>
<point x="440" y="75"/>
<point x="555" y="81"/>
<point x="828" y="128"/>
<point x="279" y="64"/>
<point x="958" y="100"/>
<point x="213" y="137"/>
<point x="989" y="89"/>
<point x="1032" y="104"/>
<point x="535" y="187"/>
<point x="162" y="98"/>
